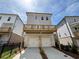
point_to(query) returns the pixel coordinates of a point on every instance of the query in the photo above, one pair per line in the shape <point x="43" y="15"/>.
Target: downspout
<point x="22" y="43"/>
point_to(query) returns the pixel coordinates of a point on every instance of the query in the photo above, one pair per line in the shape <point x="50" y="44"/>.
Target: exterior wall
<point x="4" y="18"/>
<point x="31" y="19"/>
<point x="4" y="38"/>
<point x="15" y="23"/>
<point x="53" y="39"/>
<point x="63" y="31"/>
<point x="70" y="30"/>
<point x="63" y="35"/>
<point x="18" y="27"/>
<point x="65" y="40"/>
<point x="40" y="40"/>
<point x="70" y="19"/>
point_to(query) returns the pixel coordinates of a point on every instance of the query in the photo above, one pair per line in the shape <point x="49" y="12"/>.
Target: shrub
<point x="62" y="46"/>
<point x="74" y="49"/>
<point x="65" y="47"/>
<point x="57" y="45"/>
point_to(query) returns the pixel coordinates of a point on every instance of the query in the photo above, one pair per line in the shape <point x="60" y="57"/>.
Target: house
<point x="38" y="31"/>
<point x="68" y="30"/>
<point x="11" y="29"/>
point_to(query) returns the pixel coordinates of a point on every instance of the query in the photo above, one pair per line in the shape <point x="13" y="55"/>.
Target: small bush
<point x="74" y="49"/>
<point x="62" y="46"/>
<point x="57" y="45"/>
<point x="65" y="47"/>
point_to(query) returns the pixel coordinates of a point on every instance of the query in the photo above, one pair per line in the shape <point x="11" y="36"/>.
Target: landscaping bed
<point x="43" y="54"/>
<point x="7" y="53"/>
<point x="74" y="55"/>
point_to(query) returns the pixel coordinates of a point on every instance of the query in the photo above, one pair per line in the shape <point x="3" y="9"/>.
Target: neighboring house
<point x="68" y="30"/>
<point x="11" y="29"/>
<point x="38" y="32"/>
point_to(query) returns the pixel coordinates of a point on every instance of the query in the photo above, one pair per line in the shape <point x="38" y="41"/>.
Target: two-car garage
<point x="38" y="40"/>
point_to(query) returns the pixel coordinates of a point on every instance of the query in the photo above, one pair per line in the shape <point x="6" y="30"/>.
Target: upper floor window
<point x="35" y="17"/>
<point x="46" y="18"/>
<point x="9" y="19"/>
<point x="42" y="18"/>
<point x="0" y="17"/>
<point x="74" y="20"/>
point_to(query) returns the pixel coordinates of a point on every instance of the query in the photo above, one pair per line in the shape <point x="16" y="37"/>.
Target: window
<point x="35" y="17"/>
<point x="42" y="18"/>
<point x="75" y="28"/>
<point x="65" y="34"/>
<point x="74" y="20"/>
<point x="9" y="19"/>
<point x="46" y="18"/>
<point x="0" y="17"/>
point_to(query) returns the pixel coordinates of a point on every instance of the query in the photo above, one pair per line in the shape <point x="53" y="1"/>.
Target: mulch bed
<point x="43" y="54"/>
<point x="76" y="56"/>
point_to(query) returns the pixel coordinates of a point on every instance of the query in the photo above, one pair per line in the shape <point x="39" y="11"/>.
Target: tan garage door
<point x="33" y="42"/>
<point x="46" y="42"/>
<point x="77" y="42"/>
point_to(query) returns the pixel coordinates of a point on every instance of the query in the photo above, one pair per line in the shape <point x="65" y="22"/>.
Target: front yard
<point x="7" y="53"/>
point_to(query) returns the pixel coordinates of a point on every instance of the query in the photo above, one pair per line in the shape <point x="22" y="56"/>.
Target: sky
<point x="58" y="8"/>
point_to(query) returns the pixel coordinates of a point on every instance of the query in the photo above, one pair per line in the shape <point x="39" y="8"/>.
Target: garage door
<point x="46" y="42"/>
<point x="33" y="42"/>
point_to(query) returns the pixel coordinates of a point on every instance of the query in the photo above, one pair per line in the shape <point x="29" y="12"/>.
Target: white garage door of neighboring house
<point x="46" y="42"/>
<point x="33" y="42"/>
<point x="77" y="42"/>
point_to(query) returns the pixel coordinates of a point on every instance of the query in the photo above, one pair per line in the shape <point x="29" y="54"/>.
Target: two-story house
<point x="11" y="29"/>
<point x="68" y="30"/>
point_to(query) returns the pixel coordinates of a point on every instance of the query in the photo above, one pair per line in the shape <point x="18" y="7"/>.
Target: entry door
<point x="33" y="42"/>
<point x="46" y="42"/>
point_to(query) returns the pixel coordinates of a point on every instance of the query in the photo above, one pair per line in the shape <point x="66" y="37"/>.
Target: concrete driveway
<point x="34" y="53"/>
<point x="31" y="53"/>
<point x="52" y="53"/>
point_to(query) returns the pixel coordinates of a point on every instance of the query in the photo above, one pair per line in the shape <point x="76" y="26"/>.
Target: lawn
<point x="6" y="53"/>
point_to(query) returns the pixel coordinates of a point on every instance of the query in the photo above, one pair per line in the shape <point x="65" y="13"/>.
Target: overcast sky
<point x="59" y="8"/>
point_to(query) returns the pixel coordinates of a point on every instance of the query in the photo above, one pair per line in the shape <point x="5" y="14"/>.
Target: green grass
<point x="6" y="53"/>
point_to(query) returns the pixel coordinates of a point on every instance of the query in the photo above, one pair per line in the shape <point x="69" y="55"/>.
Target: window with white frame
<point x="42" y="18"/>
<point x="74" y="20"/>
<point x="46" y="18"/>
<point x="8" y="18"/>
